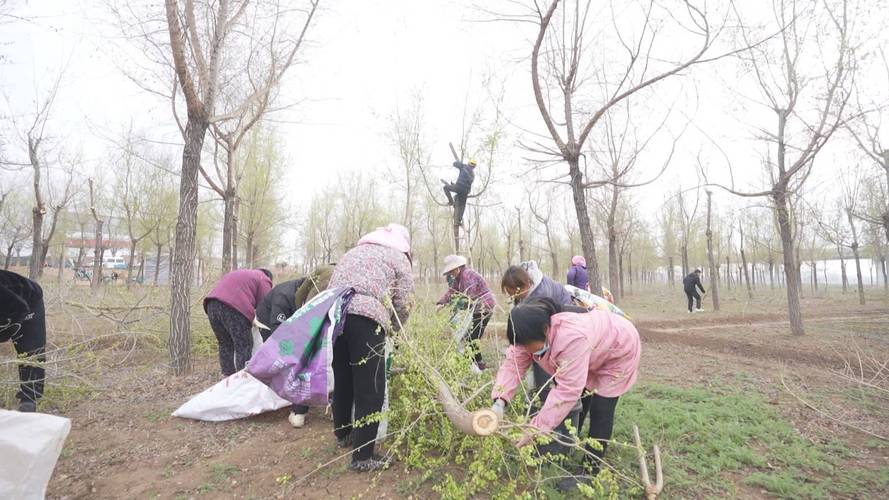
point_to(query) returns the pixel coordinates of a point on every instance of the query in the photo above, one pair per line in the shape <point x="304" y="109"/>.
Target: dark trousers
<point x="359" y="372"/>
<point x="458" y="199"/>
<point x="693" y="297"/>
<point x="479" y="323"/>
<point x="546" y="381"/>
<point x="601" y="411"/>
<point x="234" y="335"/>
<point x="29" y="340"/>
<point x="299" y="409"/>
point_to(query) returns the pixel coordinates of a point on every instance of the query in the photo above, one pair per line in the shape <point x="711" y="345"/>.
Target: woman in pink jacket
<point x="595" y="351"/>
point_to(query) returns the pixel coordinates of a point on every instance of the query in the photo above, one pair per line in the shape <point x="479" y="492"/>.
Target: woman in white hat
<point x="466" y="284"/>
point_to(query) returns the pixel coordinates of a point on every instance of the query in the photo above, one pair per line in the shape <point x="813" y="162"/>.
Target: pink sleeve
<point x="511" y="372"/>
<point x="571" y="377"/>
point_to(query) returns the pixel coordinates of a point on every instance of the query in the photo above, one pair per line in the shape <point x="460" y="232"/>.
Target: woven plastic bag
<point x="30" y="444"/>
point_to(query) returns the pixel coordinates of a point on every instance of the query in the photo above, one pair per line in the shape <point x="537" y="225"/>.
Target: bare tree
<point x="198" y="58"/>
<point x="713" y="272"/>
<point x="746" y="273"/>
<point x="850" y="199"/>
<point x="260" y="52"/>
<point x="563" y="42"/>
<point x="807" y="114"/>
<point x="135" y="196"/>
<point x="14" y="219"/>
<point x="98" y="250"/>
<point x="543" y="214"/>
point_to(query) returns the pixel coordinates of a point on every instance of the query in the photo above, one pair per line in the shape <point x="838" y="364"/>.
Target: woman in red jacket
<point x="231" y="307"/>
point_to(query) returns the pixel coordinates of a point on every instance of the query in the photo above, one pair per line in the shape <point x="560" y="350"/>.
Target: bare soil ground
<point x="125" y="444"/>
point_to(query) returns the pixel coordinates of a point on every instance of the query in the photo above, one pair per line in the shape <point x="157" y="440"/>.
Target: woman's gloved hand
<point x="498" y="407"/>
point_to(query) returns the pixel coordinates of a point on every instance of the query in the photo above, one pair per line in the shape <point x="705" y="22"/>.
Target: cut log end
<point x="484" y="422"/>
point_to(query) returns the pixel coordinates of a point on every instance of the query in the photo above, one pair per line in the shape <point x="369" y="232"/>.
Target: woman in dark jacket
<point x="522" y="283"/>
<point x="22" y="320"/>
<point x="280" y="304"/>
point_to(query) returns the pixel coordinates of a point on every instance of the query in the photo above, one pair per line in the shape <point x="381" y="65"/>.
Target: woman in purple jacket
<point x="231" y="307"/>
<point x="577" y="275"/>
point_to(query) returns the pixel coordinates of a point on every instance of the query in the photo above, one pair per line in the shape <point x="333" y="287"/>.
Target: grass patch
<point x="708" y="439"/>
<point x="223" y="472"/>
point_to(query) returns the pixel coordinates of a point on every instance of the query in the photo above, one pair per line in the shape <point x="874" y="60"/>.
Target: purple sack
<point x="295" y="362"/>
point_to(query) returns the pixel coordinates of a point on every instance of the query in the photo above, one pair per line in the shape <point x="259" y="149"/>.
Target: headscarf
<point x="392" y="236"/>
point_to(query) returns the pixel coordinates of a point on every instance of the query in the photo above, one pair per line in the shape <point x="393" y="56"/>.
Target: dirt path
<point x="700" y="335"/>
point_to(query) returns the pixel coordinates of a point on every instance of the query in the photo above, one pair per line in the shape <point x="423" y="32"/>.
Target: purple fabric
<point x="242" y="289"/>
<point x="295" y="361"/>
<point x="474" y="286"/>
<point x="578" y="276"/>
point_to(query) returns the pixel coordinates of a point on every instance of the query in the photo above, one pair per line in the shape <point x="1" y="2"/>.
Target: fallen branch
<point x="651" y="492"/>
<point x="476" y="423"/>
<point x="827" y="415"/>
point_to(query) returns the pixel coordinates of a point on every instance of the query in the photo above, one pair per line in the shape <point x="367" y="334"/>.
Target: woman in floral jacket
<point x="379" y="270"/>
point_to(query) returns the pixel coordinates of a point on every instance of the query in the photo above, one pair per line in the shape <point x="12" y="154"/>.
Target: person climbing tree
<point x="460" y="189"/>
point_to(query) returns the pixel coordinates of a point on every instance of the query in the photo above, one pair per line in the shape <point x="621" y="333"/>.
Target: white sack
<point x="30" y="444"/>
<point x="236" y="396"/>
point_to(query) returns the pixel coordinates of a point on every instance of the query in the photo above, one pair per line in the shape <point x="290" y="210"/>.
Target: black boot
<point x="28" y="406"/>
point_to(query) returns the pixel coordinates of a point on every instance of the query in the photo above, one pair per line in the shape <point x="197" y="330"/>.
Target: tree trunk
<point x="234" y="228"/>
<point x="130" y="262"/>
<point x="587" y="239"/>
<point x="744" y="265"/>
<point x="61" y="269"/>
<point x="843" y="274"/>
<point x="791" y="271"/>
<point x="97" y="257"/>
<point x="8" y="255"/>
<point x="182" y="271"/>
<point x="728" y="273"/>
<point x="771" y="270"/>
<point x="714" y="287"/>
<point x="620" y="273"/>
<point x="36" y="214"/>
<point x="613" y="265"/>
<point x="227" y="221"/>
<point x="814" y="268"/>
<point x="157" y="263"/>
<point x="671" y="271"/>
<point x="630" y="270"/>
<point x="856" y="255"/>
<point x="683" y="253"/>
<point x="521" y="237"/>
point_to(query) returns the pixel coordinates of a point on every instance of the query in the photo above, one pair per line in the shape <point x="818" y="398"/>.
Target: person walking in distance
<point x="692" y="283"/>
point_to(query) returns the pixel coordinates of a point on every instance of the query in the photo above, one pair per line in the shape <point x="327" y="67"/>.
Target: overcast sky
<point x="366" y="58"/>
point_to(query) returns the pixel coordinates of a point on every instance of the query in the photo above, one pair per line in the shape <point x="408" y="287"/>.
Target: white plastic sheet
<point x="30" y="444"/>
<point x="236" y="396"/>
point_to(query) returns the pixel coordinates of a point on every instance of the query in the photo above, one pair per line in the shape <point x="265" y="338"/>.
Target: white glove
<point x="498" y="408"/>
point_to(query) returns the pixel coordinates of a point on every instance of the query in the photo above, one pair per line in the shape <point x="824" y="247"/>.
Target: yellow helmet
<point x="472" y="162"/>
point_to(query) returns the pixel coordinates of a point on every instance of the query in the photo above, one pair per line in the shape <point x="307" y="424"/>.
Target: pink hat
<point x="392" y="236"/>
<point x="578" y="260"/>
